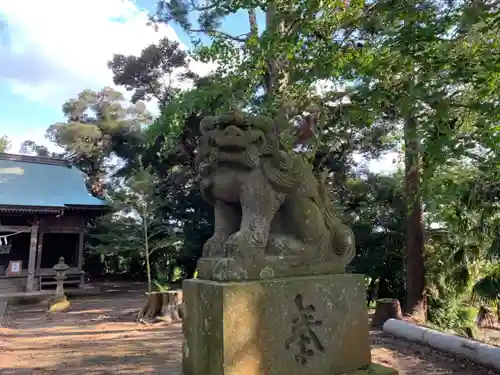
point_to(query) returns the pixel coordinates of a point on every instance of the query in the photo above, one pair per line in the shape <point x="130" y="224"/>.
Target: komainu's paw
<point x="214" y="247"/>
<point x="245" y="243"/>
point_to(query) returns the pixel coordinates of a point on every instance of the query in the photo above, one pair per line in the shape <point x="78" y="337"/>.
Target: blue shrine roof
<point x="29" y="181"/>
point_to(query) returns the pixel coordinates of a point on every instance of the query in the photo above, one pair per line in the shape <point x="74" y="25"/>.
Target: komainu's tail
<point x="342" y="236"/>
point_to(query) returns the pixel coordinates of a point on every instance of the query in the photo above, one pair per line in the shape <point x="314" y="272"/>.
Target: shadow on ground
<point x="414" y="359"/>
<point x="100" y="336"/>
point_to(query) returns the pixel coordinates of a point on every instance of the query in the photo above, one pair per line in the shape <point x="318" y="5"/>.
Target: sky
<point x="51" y="50"/>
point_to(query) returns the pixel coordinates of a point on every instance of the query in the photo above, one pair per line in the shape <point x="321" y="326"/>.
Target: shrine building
<point x="44" y="206"/>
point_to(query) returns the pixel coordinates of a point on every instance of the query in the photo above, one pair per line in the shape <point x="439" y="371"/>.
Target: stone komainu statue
<point x="267" y="201"/>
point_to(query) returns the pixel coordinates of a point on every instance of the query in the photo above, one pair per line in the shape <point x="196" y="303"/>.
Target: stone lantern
<point x="60" y="269"/>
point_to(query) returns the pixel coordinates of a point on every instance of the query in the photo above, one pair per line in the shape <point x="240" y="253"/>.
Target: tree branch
<point x="165" y="243"/>
<point x="204" y="8"/>
<point x="252" y="20"/>
<point x="158" y="247"/>
<point x="240" y="38"/>
<point x="155" y="233"/>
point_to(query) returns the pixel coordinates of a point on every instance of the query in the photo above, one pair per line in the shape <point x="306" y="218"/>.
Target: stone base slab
<point x="294" y="326"/>
<point x="373" y="369"/>
<point x="262" y="268"/>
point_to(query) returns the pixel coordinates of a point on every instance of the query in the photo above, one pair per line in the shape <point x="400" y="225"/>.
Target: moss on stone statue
<point x="249" y="177"/>
<point x="59" y="305"/>
<point x="239" y="328"/>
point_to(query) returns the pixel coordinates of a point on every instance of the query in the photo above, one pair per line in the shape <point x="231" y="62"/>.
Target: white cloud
<point x="35" y="135"/>
<point x="53" y="49"/>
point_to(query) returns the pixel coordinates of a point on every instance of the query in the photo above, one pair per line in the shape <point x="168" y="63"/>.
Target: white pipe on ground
<point x="475" y="351"/>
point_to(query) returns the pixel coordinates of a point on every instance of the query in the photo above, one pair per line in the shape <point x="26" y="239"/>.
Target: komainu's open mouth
<point x="232" y="148"/>
<point x="230" y="144"/>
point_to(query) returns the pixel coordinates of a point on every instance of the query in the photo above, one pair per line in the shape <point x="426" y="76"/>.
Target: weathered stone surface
<point x="267" y="200"/>
<point x="271" y="296"/>
<point x="294" y="326"/>
<point x="373" y="369"/>
<point x="262" y="268"/>
<point x="60" y="269"/>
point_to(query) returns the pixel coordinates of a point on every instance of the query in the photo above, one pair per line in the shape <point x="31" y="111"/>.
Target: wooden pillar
<point x="80" y="250"/>
<point x="39" y="253"/>
<point x="32" y="258"/>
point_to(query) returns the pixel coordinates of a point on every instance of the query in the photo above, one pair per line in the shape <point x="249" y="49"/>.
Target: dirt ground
<point x="99" y="337"/>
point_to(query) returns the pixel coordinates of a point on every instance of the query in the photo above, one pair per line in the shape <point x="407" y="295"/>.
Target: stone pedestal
<point x="260" y="268"/>
<point x="309" y="325"/>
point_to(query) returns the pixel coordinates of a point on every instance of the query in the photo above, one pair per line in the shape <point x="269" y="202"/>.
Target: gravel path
<point x="100" y="337"/>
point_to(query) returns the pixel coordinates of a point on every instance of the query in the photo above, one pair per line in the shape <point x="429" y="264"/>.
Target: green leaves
<point x="117" y="235"/>
<point x="487" y="289"/>
<point x="376" y="207"/>
<point x="98" y="124"/>
<point x="384" y="63"/>
<point x="493" y="252"/>
<point x="4" y="143"/>
<point x="136" y="226"/>
<point x="149" y="76"/>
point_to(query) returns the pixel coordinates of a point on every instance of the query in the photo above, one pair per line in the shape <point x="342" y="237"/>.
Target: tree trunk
<point x="386" y="309"/>
<point x="148" y="269"/>
<point x="383" y="288"/>
<point x="416" y="304"/>
<point x="486" y="319"/>
<point x="146" y="246"/>
<point x="276" y="77"/>
<point x="162" y="306"/>
<point x="371" y="292"/>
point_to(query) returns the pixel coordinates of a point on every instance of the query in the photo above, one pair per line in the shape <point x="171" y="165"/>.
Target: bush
<point x="452" y="314"/>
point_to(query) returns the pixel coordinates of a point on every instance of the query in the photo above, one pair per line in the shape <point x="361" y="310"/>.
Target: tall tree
<point x="424" y="65"/>
<point x="266" y="63"/>
<point x="270" y="68"/>
<point x="422" y="46"/>
<point x="377" y="204"/>
<point x="155" y="74"/>
<point x="426" y="53"/>
<point x="134" y="226"/>
<point x="30" y="147"/>
<point x="255" y="63"/>
<point x="99" y="124"/>
<point x="4" y="143"/>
